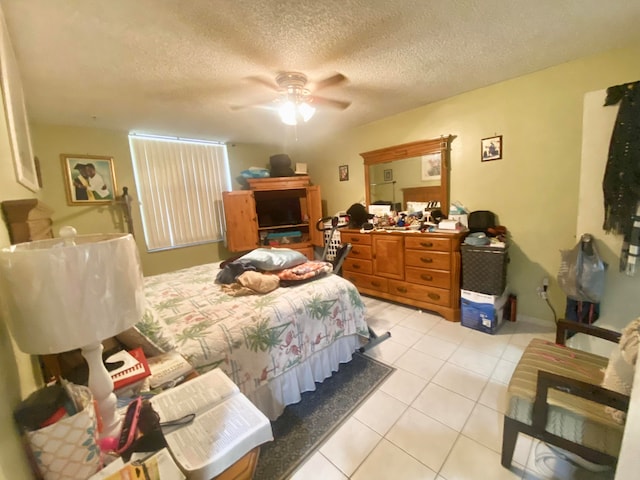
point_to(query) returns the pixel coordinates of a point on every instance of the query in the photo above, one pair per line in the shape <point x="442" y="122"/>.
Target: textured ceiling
<point x="177" y="67"/>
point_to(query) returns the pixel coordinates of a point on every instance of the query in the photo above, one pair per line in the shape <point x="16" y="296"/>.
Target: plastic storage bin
<point x="276" y="239"/>
<point x="484" y="269"/>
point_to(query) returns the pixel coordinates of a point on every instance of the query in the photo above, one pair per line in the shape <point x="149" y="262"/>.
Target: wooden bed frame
<point x="421" y="194"/>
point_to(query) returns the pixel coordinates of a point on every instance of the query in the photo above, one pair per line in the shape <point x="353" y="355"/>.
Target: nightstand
<point x="243" y="469"/>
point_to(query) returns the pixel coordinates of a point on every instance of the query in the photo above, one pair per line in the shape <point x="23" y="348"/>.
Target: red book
<point x="135" y="368"/>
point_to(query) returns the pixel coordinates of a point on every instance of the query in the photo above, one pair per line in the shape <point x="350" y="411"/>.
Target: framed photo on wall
<point x="88" y="179"/>
<point x="491" y="148"/>
<point x="343" y="173"/>
<point x="16" y="114"/>
<point x="388" y="175"/>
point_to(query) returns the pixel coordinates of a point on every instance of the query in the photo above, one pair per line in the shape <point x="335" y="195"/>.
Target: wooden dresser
<point x="418" y="269"/>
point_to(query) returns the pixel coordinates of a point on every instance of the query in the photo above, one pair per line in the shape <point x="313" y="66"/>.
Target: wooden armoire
<point x="275" y="205"/>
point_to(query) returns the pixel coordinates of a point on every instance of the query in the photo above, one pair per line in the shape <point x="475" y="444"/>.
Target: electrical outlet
<point x="542" y="290"/>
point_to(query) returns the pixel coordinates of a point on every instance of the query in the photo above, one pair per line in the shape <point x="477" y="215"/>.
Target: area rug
<point x="302" y="427"/>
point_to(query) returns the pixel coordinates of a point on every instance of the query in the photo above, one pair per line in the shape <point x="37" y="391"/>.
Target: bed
<point x="273" y="346"/>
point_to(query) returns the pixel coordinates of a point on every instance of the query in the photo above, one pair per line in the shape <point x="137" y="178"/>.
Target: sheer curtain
<point x="180" y="185"/>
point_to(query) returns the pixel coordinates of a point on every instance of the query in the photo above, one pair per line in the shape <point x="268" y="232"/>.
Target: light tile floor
<point x="439" y="415"/>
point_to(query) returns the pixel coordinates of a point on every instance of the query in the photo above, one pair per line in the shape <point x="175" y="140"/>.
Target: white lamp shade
<point x="60" y="297"/>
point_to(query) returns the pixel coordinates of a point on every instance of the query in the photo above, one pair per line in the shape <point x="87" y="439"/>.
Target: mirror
<point x="411" y="172"/>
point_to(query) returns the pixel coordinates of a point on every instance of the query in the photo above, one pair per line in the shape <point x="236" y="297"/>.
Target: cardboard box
<point x="481" y="311"/>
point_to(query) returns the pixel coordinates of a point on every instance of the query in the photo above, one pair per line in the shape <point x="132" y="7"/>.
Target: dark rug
<point x="303" y="426"/>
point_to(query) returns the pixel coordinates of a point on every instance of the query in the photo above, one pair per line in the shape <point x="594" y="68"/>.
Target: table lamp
<point x="74" y="292"/>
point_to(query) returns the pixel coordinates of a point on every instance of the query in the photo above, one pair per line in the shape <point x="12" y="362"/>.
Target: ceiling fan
<point x="295" y="100"/>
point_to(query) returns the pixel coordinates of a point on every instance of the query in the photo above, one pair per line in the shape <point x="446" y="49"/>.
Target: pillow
<point x="618" y="375"/>
<point x="305" y="272"/>
<point x="269" y="259"/>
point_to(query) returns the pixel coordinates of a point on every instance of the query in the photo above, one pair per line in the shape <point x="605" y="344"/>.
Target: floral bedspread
<point x="251" y="338"/>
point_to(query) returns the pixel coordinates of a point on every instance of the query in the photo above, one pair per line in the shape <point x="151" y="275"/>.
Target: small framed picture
<point x="388" y="175"/>
<point x="491" y="148"/>
<point x="431" y="166"/>
<point x="88" y="179"/>
<point x="343" y="173"/>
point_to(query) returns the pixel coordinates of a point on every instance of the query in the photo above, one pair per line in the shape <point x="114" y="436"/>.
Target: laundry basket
<point x="484" y="269"/>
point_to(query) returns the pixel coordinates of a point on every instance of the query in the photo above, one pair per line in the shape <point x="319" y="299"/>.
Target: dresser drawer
<point x="355" y="238"/>
<point x="362" y="252"/>
<point x="438" y="296"/>
<point x="428" y="259"/>
<point x="428" y="243"/>
<point x="367" y="281"/>
<point x="431" y="278"/>
<point x="357" y="265"/>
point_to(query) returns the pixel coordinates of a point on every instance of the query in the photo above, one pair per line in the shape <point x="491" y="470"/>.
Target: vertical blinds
<point x="180" y="184"/>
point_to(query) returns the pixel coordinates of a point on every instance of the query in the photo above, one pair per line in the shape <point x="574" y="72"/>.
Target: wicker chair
<point x="555" y="396"/>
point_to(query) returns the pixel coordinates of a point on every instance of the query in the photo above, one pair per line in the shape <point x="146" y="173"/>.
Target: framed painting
<point x="491" y="148"/>
<point x="88" y="179"/>
<point x="431" y="166"/>
<point x="16" y="114"/>
<point x="388" y="175"/>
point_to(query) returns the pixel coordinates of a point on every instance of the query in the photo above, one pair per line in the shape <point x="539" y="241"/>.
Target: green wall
<point x="533" y="189"/>
<point x="50" y="141"/>
<point x="17" y="376"/>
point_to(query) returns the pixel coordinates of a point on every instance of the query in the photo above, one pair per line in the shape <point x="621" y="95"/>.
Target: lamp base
<point x="101" y="386"/>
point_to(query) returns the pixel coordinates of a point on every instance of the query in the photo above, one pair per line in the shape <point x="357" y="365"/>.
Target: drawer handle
<point x="375" y="284"/>
<point x="426" y="260"/>
<point x="356" y="266"/>
<point x="402" y="289"/>
<point x="355" y="240"/>
<point x="426" y="277"/>
<point x="426" y="244"/>
<point x="433" y="296"/>
<point x="355" y="252"/>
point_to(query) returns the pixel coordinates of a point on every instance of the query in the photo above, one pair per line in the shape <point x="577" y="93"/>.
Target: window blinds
<point x="180" y="185"/>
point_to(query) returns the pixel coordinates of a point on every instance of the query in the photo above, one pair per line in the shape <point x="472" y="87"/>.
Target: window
<point x="180" y="183"/>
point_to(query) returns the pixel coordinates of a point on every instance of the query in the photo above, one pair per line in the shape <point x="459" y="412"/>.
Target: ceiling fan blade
<point x="329" y="102"/>
<point x="265" y="83"/>
<point x="329" y="81"/>
<point x="261" y="103"/>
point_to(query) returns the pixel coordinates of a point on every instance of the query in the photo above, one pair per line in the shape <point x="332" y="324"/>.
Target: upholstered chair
<point x="572" y="399"/>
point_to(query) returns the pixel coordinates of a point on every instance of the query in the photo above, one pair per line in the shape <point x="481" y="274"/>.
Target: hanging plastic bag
<point x="582" y="271"/>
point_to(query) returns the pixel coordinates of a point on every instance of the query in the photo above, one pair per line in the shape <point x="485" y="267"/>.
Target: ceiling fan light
<point x="287" y="112"/>
<point x="306" y="111"/>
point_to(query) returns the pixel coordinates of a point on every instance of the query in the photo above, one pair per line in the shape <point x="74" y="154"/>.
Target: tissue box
<point x="481" y="311"/>
<point x="463" y="219"/>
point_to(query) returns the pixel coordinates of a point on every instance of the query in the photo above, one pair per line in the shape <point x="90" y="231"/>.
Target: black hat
<point x="481" y="221"/>
<point x="358" y="215"/>
<point x="280" y="164"/>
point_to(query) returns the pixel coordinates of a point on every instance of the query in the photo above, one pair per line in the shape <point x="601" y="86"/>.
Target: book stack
<point x="129" y="377"/>
<point x="168" y="370"/>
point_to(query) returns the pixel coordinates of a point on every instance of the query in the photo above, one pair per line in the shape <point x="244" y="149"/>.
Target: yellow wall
<point x="17" y="377"/>
<point x="49" y="141"/>
<point x="533" y="189"/>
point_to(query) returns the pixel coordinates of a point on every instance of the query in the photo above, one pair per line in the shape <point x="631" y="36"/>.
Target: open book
<point x="227" y="425"/>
